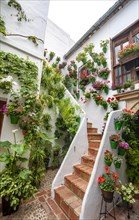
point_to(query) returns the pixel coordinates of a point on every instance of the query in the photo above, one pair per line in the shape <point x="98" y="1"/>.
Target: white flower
<point x="14" y="131"/>
<point x="7" y="79"/>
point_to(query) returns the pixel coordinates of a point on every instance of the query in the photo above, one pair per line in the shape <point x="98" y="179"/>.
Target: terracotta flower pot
<point x="107" y="196"/>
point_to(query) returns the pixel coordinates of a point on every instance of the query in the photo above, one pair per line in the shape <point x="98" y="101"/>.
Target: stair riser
<point x="81" y="174"/>
<point x="94" y="144"/>
<point x="92" y="130"/>
<point x="74" y="188"/>
<point x="87" y="162"/>
<point x="94" y="137"/>
<point x="92" y="151"/>
<point x="89" y="125"/>
<point x="65" y="207"/>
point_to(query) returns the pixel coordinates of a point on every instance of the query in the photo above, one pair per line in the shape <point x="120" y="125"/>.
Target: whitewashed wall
<point x="37" y="11"/>
<point x="57" y="40"/>
<point x="125" y="17"/>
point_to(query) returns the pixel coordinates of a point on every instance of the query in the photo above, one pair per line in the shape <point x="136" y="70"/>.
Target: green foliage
<point x="2" y="27"/>
<point x="104" y="45"/>
<point x="21" y="13"/>
<point x="33" y="39"/>
<point x="46" y="121"/>
<point x="15" y="181"/>
<point x="68" y="82"/>
<point x="6" y="86"/>
<point x="130" y="135"/>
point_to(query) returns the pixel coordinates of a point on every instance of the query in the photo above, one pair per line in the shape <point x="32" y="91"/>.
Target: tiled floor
<point x="42" y="207"/>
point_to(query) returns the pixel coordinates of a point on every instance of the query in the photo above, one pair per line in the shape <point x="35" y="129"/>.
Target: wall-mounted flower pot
<point x="113" y="144"/>
<point x="121" y="151"/>
<point x="118" y="125"/>
<point x="14" y="119"/>
<point x="107" y="196"/>
<point x="108" y="163"/>
<point x="117" y="165"/>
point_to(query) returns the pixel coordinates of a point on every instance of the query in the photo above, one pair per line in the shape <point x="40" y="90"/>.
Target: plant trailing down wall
<point x="21" y="15"/>
<point x="31" y="111"/>
<point x="68" y="120"/>
<point x="94" y="66"/>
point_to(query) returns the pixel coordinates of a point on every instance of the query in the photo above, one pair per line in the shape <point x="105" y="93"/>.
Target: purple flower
<point x="123" y="145"/>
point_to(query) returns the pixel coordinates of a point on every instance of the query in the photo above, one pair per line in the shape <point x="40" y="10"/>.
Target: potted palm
<point x="114" y="139"/>
<point x="108" y="183"/>
<point x="15" y="180"/>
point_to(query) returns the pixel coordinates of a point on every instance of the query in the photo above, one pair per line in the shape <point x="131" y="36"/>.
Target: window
<point x="128" y="69"/>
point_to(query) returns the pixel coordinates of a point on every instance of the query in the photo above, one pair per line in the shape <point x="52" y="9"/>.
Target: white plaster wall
<point x="125" y="17"/>
<point x="57" y="40"/>
<point x="37" y="11"/>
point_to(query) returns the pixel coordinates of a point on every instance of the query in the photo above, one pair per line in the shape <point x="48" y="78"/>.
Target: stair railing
<point x="78" y="147"/>
<point x="92" y="199"/>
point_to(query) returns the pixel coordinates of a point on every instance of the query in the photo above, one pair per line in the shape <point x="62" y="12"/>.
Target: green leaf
<point x="5" y="144"/>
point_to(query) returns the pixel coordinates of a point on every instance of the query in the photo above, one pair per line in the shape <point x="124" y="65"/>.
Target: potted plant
<point x="129" y="49"/>
<point x="127" y="192"/>
<point x="14" y="109"/>
<point x="104" y="72"/>
<point x="117" y="162"/>
<point x="15" y="181"/>
<point x="108" y="158"/>
<point x="118" y="123"/>
<point x="114" y="139"/>
<point x="122" y="148"/>
<point x="113" y="102"/>
<point x="108" y="183"/>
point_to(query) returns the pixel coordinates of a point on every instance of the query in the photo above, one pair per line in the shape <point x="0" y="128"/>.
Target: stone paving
<point x="42" y="207"/>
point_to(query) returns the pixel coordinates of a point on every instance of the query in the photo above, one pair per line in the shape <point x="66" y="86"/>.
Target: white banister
<point x="78" y="147"/>
<point x="92" y="199"/>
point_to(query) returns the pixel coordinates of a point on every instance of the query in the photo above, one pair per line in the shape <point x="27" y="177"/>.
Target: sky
<point x="76" y="16"/>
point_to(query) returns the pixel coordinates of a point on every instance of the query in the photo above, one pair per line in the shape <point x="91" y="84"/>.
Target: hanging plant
<point x="104" y="73"/>
<point x="104" y="45"/>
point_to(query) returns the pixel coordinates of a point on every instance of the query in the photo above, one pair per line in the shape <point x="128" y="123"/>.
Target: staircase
<point x="70" y="195"/>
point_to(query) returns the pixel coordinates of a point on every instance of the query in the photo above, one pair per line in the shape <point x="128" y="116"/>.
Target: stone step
<point x="89" y="125"/>
<point x="88" y="160"/>
<point x="69" y="202"/>
<point x="94" y="136"/>
<point x="76" y="185"/>
<point x="83" y="171"/>
<point x="94" y="143"/>
<point x="92" y="130"/>
<point x="93" y="151"/>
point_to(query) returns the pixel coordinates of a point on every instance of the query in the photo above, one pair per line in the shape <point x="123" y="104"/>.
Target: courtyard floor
<point x="42" y="207"/>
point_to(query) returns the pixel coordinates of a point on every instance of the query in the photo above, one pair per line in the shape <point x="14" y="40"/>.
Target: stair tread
<point x="93" y="148"/>
<point x="91" y="133"/>
<point x="77" y="181"/>
<point x="94" y="140"/>
<point x="70" y="198"/>
<point x="89" y="157"/>
<point x="84" y="168"/>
